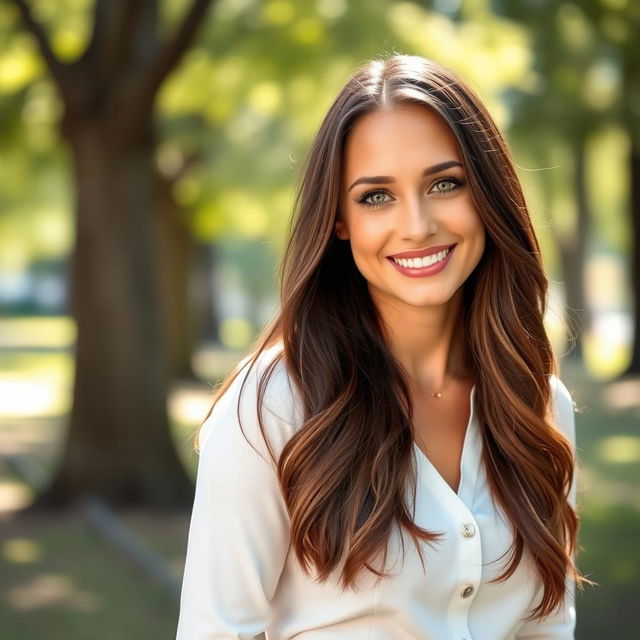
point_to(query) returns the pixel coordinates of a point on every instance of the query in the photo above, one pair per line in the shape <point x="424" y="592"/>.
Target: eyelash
<point x="372" y="205"/>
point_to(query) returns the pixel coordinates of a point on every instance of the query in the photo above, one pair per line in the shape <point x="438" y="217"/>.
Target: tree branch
<point x="112" y="26"/>
<point x="56" y="68"/>
<point x="169" y="55"/>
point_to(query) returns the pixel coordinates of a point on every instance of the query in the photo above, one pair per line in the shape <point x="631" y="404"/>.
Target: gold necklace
<point x="439" y="394"/>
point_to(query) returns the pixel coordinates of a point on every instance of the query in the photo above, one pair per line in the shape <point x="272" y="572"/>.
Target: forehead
<point x="398" y="135"/>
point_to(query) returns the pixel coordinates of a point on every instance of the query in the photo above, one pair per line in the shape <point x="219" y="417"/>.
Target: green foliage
<point x="237" y="115"/>
<point x="246" y="100"/>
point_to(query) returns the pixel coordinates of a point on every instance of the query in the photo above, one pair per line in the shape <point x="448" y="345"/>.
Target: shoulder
<point x="563" y="407"/>
<point x="239" y="408"/>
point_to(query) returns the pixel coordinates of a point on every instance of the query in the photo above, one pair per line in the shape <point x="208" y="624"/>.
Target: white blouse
<point x="241" y="577"/>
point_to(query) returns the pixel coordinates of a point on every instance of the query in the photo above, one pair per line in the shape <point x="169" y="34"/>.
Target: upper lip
<point x="421" y="253"/>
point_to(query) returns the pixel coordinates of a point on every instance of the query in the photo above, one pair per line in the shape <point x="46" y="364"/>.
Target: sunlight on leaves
<point x="603" y="357"/>
<point x="574" y="27"/>
<point x="608" y="182"/>
<point x="230" y="9"/>
<point x="266" y="98"/>
<point x="50" y="332"/>
<point x="236" y="333"/>
<point x="602" y="85"/>
<point x="278" y="12"/>
<point x="206" y="223"/>
<point x="615" y="4"/>
<point x="331" y="9"/>
<point x="246" y="124"/>
<point x="620" y="449"/>
<point x="20" y="64"/>
<point x="68" y="43"/>
<point x="300" y="89"/>
<point x="487" y="51"/>
<point x="308" y="31"/>
<point x="186" y="191"/>
<point x="244" y="214"/>
<point x="14" y="253"/>
<point x="42" y="104"/>
<point x="616" y="28"/>
<point x="192" y="88"/>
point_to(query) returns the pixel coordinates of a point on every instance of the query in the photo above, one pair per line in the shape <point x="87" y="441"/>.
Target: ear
<point x="341" y="230"/>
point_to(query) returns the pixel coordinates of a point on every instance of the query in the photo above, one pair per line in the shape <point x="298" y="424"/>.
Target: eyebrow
<point x="386" y="179"/>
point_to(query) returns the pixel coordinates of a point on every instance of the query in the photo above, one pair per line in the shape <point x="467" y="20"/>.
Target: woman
<point x="396" y="458"/>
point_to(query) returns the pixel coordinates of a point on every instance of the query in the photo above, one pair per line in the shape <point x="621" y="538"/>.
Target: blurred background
<point x="149" y="152"/>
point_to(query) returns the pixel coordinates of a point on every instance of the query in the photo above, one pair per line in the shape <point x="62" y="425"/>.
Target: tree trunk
<point x="175" y="258"/>
<point x="119" y="444"/>
<point x="206" y="294"/>
<point x="573" y="257"/>
<point x="634" y="177"/>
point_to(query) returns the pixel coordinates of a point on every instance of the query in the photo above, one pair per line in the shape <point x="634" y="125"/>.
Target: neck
<point x="429" y="342"/>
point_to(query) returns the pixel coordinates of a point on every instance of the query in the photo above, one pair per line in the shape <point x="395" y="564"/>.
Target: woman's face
<point x="404" y="190"/>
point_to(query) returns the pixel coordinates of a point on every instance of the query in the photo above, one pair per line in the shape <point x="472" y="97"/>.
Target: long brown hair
<point x="344" y="473"/>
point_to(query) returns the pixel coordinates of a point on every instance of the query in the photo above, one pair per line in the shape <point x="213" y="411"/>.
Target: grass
<point x="59" y="582"/>
<point x="608" y="441"/>
<point x="611" y="539"/>
<point x="58" y="579"/>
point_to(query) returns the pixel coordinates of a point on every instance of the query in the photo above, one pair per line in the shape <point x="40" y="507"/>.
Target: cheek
<point x="476" y="234"/>
<point x="367" y="237"/>
<point x="470" y="223"/>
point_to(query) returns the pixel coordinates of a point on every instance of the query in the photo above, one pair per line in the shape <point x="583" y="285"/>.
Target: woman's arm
<point x="561" y="624"/>
<point x="239" y="533"/>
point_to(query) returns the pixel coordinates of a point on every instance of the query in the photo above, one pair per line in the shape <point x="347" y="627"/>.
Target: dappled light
<point x="172" y="228"/>
<point x="50" y="591"/>
<point x="14" y="495"/>
<point x="620" y="449"/>
<point x="21" y="550"/>
<point x="189" y="405"/>
<point x="25" y="398"/>
<point x="624" y="395"/>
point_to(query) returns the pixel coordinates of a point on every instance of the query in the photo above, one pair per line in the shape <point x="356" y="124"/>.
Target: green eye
<point x="373" y="198"/>
<point x="377" y="198"/>
<point x="455" y="182"/>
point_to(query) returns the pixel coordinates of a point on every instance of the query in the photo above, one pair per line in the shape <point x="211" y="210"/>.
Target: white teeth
<point x="416" y="263"/>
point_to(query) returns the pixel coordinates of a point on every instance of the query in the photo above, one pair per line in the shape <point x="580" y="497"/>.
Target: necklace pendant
<point x="438" y="394"/>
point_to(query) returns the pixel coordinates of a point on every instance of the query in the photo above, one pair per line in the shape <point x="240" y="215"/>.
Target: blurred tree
<point x="177" y="267"/>
<point x="119" y="444"/>
<point x="619" y="24"/>
<point x="235" y="122"/>
<point x="586" y="79"/>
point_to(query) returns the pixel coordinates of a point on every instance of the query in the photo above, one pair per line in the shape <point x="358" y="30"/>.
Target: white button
<point x="467" y="591"/>
<point x="468" y="530"/>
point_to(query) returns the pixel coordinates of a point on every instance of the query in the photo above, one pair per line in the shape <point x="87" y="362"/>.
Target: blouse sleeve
<point x="239" y="532"/>
<point x="561" y="624"/>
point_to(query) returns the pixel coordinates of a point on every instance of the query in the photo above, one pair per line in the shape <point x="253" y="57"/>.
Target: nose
<point x="415" y="219"/>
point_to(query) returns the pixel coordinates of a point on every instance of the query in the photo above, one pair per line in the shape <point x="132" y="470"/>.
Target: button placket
<point x="469" y="543"/>
<point x="467" y="567"/>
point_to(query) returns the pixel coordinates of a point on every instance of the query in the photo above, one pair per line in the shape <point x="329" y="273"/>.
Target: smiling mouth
<point x="427" y="261"/>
